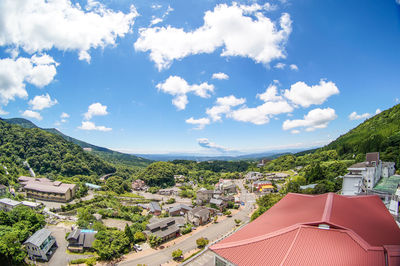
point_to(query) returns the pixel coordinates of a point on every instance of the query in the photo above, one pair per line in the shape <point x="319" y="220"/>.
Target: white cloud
<point x="302" y="94"/>
<point x="270" y="94"/>
<point x="398" y="2"/>
<point x="220" y="76"/>
<point x="205" y="143"/>
<point x="280" y="65"/>
<point x="64" y="115"/>
<point x="88" y="125"/>
<point x="295" y="131"/>
<point x="315" y="119"/>
<point x="294" y="67"/>
<point x="156" y="6"/>
<point x="178" y="87"/>
<point x="223" y="106"/>
<point x="378" y="111"/>
<point x="32" y="114"/>
<point x="37" y="25"/>
<point x="261" y="114"/>
<point x="95" y="109"/>
<point x="355" y="116"/>
<point x="41" y="102"/>
<point x="230" y="27"/>
<point x="155" y="21"/>
<point x="201" y="122"/>
<point x="15" y="73"/>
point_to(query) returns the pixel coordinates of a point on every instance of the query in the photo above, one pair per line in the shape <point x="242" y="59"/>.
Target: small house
<point x="80" y="240"/>
<point x="41" y="245"/>
<point x="7" y="204"/>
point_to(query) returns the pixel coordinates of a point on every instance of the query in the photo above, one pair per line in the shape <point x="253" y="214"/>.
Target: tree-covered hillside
<point x="46" y="153"/>
<point x="104" y="153"/>
<point x="380" y="133"/>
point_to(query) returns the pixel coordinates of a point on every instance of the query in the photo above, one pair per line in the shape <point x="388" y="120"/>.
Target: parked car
<point x="137" y="247"/>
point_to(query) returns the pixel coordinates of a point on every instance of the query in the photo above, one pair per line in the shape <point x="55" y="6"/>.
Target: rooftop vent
<point x="324" y="226"/>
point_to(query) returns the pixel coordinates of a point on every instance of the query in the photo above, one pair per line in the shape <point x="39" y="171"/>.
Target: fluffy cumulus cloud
<point x="355" y="116"/>
<point x="220" y="76"/>
<point x="200" y="123"/>
<point x="205" y="143"/>
<point x="15" y="73"/>
<point x="223" y="106"/>
<point x="41" y="102"/>
<point x="239" y="29"/>
<point x="294" y="67"/>
<point x="378" y="111"/>
<point x="88" y="125"/>
<point x="179" y="88"/>
<point x="95" y="109"/>
<point x="315" y="119"/>
<point x="304" y="95"/>
<point x="259" y="115"/>
<point x="37" y="25"/>
<point x="32" y="114"/>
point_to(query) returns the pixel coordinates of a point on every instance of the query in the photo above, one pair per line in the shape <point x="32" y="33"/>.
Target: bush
<point x="171" y="201"/>
<point x="177" y="254"/>
<point x="187" y="229"/>
<point x="139" y="237"/>
<point x="202" y="242"/>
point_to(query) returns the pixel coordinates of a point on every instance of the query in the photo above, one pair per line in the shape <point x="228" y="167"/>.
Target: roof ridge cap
<point x="291" y="246"/>
<point x="328" y="208"/>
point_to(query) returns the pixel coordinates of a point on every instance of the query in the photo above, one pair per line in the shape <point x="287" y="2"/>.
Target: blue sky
<point x="211" y="77"/>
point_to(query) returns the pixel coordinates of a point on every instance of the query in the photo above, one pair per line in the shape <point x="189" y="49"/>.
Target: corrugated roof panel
<point x="315" y="246"/>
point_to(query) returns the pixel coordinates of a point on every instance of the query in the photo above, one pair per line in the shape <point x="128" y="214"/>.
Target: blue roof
<point x="92" y="186"/>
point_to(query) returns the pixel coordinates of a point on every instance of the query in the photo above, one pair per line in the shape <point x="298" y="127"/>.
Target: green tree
<point x="202" y="242"/>
<point x="139" y="237"/>
<point x="237" y="221"/>
<point x="159" y="174"/>
<point x="154" y="241"/>
<point x="176" y="254"/>
<point x="128" y="233"/>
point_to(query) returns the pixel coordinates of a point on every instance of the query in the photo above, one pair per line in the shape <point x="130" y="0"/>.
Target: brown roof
<point x="45" y="185"/>
<point x="372" y="157"/>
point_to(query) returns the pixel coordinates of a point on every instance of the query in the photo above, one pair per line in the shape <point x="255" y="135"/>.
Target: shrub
<point x="177" y="254"/>
<point x="202" y="242"/>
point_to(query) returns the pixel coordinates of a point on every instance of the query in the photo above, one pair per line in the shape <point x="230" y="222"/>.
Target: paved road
<point x="212" y="233"/>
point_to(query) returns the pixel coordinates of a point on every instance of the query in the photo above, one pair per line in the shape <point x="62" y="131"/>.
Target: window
<point x="219" y="262"/>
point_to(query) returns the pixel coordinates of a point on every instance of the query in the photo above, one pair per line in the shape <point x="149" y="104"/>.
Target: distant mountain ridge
<point x="104" y="153"/>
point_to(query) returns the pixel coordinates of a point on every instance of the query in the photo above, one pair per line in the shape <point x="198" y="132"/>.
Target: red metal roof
<point x="361" y="231"/>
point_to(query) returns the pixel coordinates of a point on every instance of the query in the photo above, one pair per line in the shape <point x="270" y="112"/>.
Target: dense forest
<point x="46" y="153"/>
<point x="104" y="153"/>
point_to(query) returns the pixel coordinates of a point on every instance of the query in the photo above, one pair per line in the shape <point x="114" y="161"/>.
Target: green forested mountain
<point x="380" y="133"/>
<point x="46" y="153"/>
<point x="104" y="153"/>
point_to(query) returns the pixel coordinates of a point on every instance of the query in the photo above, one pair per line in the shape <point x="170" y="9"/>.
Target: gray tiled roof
<point x="10" y="202"/>
<point x="154" y="206"/>
<point x="44" y="185"/>
<point x="38" y="237"/>
<point x="179" y="207"/>
<point x="216" y="201"/>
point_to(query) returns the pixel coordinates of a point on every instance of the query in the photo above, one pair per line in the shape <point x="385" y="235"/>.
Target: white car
<point x="137" y="247"/>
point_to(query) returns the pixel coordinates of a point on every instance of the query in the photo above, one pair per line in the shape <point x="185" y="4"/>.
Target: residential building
<point x="80" y="240"/>
<point x="179" y="178"/>
<point x="138" y="185"/>
<point x="388" y="169"/>
<point x="165" y="228"/>
<point x="365" y="175"/>
<point x="327" y="229"/>
<point x="32" y="205"/>
<point x="204" y="195"/>
<point x="7" y="204"/>
<point x="3" y="189"/>
<point x="262" y="163"/>
<point x="154" y="208"/>
<point x="226" y="186"/>
<point x="179" y="210"/>
<point x="174" y="191"/>
<point x="41" y="245"/>
<point x="219" y="203"/>
<point x="198" y="216"/>
<point x="45" y="189"/>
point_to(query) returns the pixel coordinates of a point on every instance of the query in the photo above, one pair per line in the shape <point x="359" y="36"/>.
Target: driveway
<point x="60" y="257"/>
